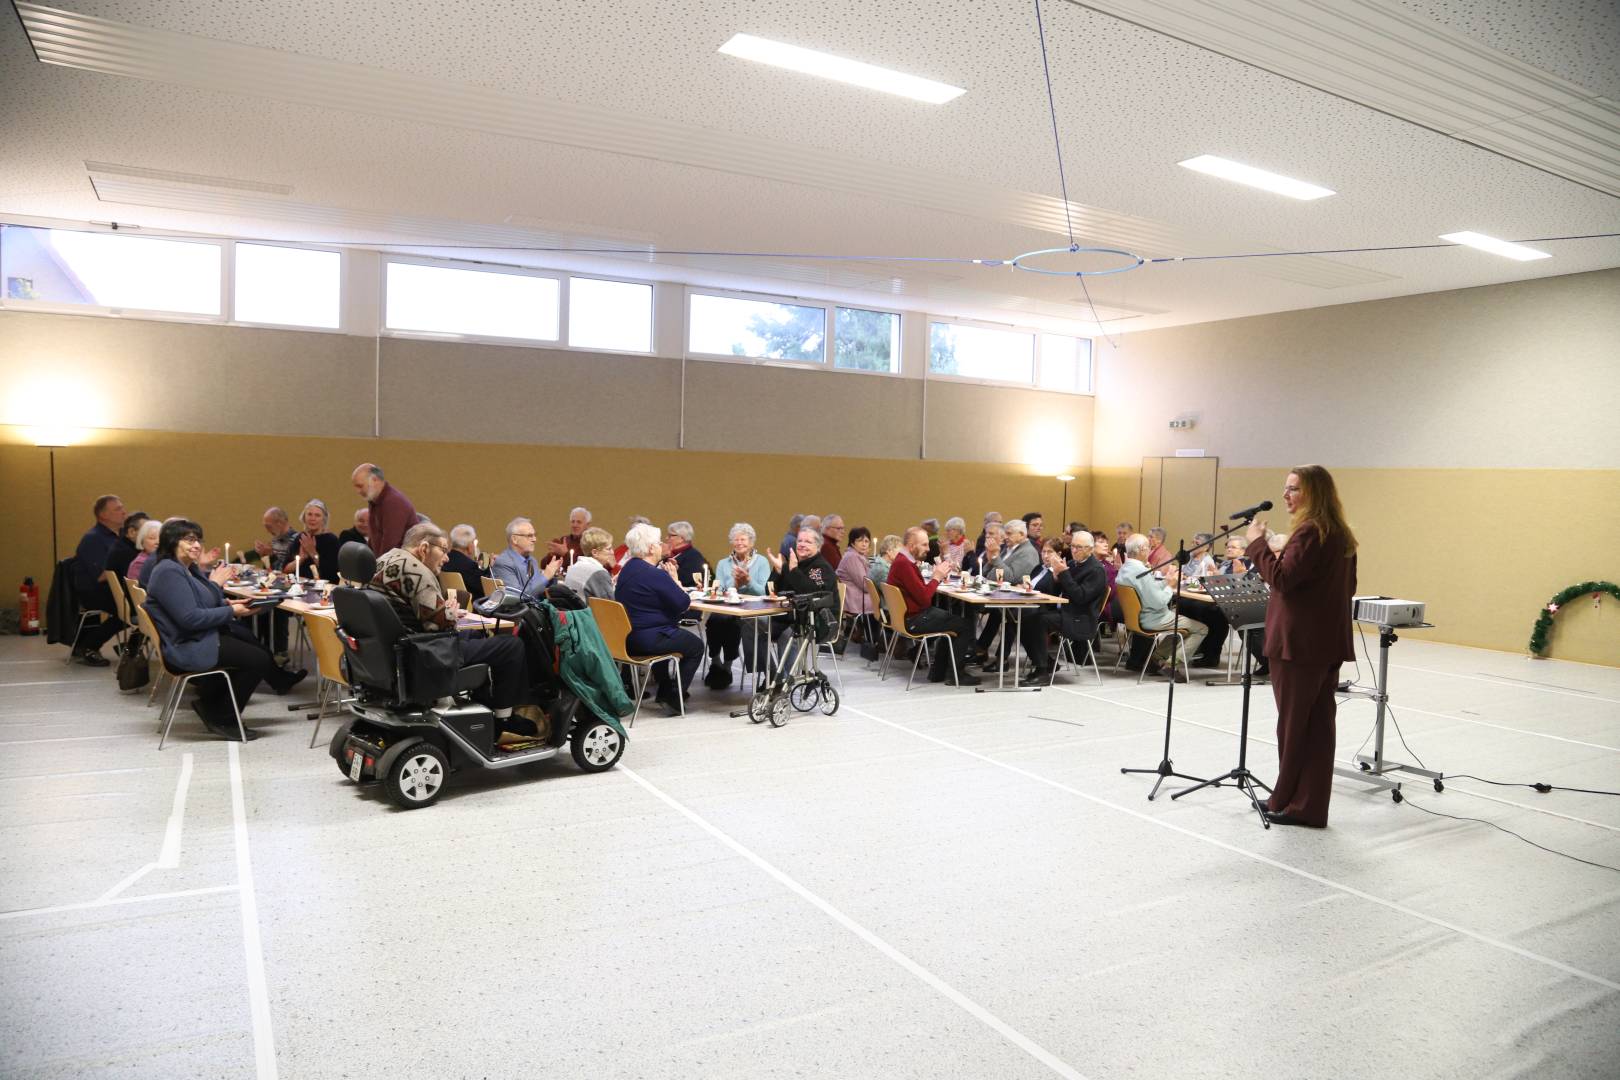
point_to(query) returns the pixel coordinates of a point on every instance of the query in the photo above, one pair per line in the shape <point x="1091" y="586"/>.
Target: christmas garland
<point x="1538" y="636"/>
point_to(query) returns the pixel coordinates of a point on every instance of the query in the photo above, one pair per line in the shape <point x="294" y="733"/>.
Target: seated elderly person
<point x="1017" y="560"/>
<point x="832" y="535"/>
<point x="1235" y="562"/>
<point x="854" y="571"/>
<point x="747" y="571"/>
<point x="318" y="545"/>
<point x="883" y="558"/>
<point x="991" y="518"/>
<point x="123" y="553"/>
<point x="991" y="543"/>
<point x="516" y="567"/>
<point x="463" y="560"/>
<point x="1157" y="553"/>
<point x="689" y="561"/>
<point x="277" y="552"/>
<point x="592" y="573"/>
<point x="1201" y="562"/>
<point x="1081" y="580"/>
<point x="200" y="631"/>
<point x="953" y="545"/>
<point x="409" y="576"/>
<point x="655" y="603"/>
<point x="922" y="617"/>
<point x="579" y="519"/>
<point x="931" y="527"/>
<point x="802" y="572"/>
<point x="359" y="532"/>
<point x="1156" y="615"/>
<point x="146" y="544"/>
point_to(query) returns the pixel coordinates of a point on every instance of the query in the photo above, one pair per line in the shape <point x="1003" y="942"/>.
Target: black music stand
<point x="1243" y="600"/>
<point x="1166" y="768"/>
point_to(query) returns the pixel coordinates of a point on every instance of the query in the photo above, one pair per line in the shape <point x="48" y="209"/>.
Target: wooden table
<point x="751" y="607"/>
<point x="1008" y="599"/>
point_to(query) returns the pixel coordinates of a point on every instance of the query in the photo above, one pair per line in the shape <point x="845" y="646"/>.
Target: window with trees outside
<point x="866" y="340"/>
<point x="757" y="329"/>
<point x="981" y="352"/>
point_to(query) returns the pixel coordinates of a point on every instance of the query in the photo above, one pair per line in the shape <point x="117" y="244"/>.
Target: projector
<point x="1386" y="611"/>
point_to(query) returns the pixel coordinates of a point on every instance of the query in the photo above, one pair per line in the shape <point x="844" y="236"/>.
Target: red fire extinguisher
<point x="28" y="606"/>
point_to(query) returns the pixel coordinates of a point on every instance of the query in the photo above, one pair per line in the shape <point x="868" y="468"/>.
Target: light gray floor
<point x="932" y="884"/>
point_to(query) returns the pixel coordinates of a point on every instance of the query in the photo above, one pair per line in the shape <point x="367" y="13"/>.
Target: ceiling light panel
<point x="1250" y="176"/>
<point x="839" y="69"/>
<point x="1504" y="248"/>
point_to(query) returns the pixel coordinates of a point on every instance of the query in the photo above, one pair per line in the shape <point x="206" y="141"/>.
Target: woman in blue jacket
<point x="655" y="605"/>
<point x="199" y="628"/>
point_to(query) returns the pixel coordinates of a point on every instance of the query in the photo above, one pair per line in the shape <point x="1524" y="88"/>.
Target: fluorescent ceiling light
<point x="1260" y="178"/>
<point x="811" y="62"/>
<point x="1496" y="247"/>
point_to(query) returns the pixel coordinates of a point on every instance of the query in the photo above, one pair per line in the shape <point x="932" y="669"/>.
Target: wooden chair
<point x="614" y="623"/>
<point x="1066" y="647"/>
<point x="491" y="584"/>
<point x="1130" y="605"/>
<point x="323" y="639"/>
<point x="449" y="579"/>
<point x="895" y="602"/>
<point x="181" y="680"/>
<point x="842" y="636"/>
<point x="880" y="615"/>
<point x="120" y="602"/>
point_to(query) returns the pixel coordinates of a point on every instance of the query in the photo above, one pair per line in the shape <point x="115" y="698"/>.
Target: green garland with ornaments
<point x="1596" y="589"/>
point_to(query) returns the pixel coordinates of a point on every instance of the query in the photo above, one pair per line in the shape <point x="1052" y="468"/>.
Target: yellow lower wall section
<point x="1484" y="548"/>
<point x="226" y="481"/>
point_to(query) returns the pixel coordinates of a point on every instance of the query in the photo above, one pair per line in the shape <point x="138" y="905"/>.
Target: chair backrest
<point x="895" y="601"/>
<point x="371" y="627"/>
<point x="1130" y="606"/>
<point x="120" y="600"/>
<point x="614" y="623"/>
<point x="137" y="595"/>
<point x="491" y="585"/>
<point x="1102" y="605"/>
<point x="149" y="628"/>
<point x="449" y="579"/>
<point x="357" y="563"/>
<point x="878" y="607"/>
<point x="323" y="636"/>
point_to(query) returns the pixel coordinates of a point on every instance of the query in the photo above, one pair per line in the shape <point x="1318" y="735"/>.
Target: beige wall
<point x="1475" y="436"/>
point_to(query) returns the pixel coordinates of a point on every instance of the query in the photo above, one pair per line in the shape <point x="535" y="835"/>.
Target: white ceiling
<point x="498" y="123"/>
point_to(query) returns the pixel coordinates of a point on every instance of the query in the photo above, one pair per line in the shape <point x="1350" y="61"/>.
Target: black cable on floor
<point x="1510" y="832"/>
<point x="1391" y="710"/>
<point x="1535" y="785"/>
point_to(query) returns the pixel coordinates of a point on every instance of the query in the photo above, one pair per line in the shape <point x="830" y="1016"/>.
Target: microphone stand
<point x="1166" y="768"/>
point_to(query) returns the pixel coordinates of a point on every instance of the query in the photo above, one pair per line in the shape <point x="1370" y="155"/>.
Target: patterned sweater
<point x="413" y="590"/>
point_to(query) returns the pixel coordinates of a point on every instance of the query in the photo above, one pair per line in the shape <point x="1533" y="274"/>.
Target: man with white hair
<point x="1083" y="582"/>
<point x="516" y="567"/>
<point x="1156" y="615"/>
<point x="463" y="559"/>
<point x="579" y="519"/>
<point x="832" y="534"/>
<point x="392" y="514"/>
<point x="991" y="518"/>
<point x="357" y="533"/>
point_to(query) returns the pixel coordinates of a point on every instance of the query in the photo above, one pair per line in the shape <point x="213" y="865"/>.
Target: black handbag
<point x="428" y="663"/>
<point x="133" y="670"/>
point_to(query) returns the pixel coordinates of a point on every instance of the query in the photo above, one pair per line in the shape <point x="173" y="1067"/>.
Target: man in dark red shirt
<point x="392" y="514"/>
<point x="921" y="615"/>
<point x="832" y="534"/>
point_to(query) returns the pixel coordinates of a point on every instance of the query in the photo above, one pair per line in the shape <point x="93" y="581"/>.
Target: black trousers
<point x="1031" y="634"/>
<point x="1211" y="616"/>
<point x="668" y="640"/>
<point x="248" y="663"/>
<point x="96" y="634"/>
<point x="935" y="620"/>
<point x="728" y="636"/>
<point x="508" y="671"/>
<point x="992" y="623"/>
<point x="273" y="630"/>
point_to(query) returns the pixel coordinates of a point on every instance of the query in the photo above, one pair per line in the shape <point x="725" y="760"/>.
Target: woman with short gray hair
<point x="689" y="561"/>
<point x="656" y="603"/>
<point x="589" y="575"/>
<point x="747" y="571"/>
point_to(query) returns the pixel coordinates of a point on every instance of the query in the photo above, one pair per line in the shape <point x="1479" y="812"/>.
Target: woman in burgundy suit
<point x="1307" y="636"/>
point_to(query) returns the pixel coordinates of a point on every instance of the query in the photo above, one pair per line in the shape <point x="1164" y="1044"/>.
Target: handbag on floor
<point x="133" y="670"/>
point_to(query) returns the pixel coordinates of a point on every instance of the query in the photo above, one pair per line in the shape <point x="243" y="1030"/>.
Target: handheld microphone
<point x="1251" y="511"/>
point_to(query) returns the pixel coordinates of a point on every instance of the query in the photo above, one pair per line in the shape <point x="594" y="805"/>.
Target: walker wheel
<point x="1438" y="786"/>
<point x="1397" y="796"/>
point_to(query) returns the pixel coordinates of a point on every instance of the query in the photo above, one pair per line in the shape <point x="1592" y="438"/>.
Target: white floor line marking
<point x="126" y="883"/>
<point x="264" y="1047"/>
<point x="1256" y="856"/>
<point x="169" y="857"/>
<point x="89" y="904"/>
<point x="944" y="989"/>
<point x="52" y="682"/>
<point x="72" y="738"/>
<point x="1516" y="731"/>
<point x="86" y="772"/>
<point x="1519" y="683"/>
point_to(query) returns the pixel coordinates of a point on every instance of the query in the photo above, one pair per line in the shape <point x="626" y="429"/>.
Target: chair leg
<point x="837" y="674"/>
<point x="1091" y="651"/>
<point x="320" y="711"/>
<point x="888" y="654"/>
<point x="922" y="647"/>
<point x="675" y="677"/>
<point x="950" y="651"/>
<point x="241" y="728"/>
<point x="638" y="686"/>
<point x="171" y="705"/>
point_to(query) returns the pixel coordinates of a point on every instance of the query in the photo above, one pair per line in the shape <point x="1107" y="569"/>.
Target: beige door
<point x="1178" y="494"/>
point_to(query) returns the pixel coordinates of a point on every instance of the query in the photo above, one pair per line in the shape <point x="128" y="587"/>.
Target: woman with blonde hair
<point x="1312" y="579"/>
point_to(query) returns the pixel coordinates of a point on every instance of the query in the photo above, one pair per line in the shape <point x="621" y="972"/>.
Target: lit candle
<point x="227" y="551"/>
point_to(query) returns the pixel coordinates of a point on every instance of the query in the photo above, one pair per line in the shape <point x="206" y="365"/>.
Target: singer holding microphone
<point x="1308" y="635"/>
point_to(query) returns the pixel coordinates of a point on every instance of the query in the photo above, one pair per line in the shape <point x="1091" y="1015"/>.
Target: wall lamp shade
<point x="1063" y="478"/>
<point x="56" y="436"/>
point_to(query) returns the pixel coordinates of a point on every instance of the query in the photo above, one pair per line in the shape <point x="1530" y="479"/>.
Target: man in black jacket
<point x="89" y="562"/>
<point x="463" y="560"/>
<point x="1081" y="581"/>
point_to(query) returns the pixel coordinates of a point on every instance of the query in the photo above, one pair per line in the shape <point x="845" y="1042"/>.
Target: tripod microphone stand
<point x="1166" y="768"/>
<point x="1244" y="603"/>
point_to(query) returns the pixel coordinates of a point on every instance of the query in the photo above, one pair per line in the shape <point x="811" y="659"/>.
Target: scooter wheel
<point x="416" y="778"/>
<point x="597" y="746"/>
